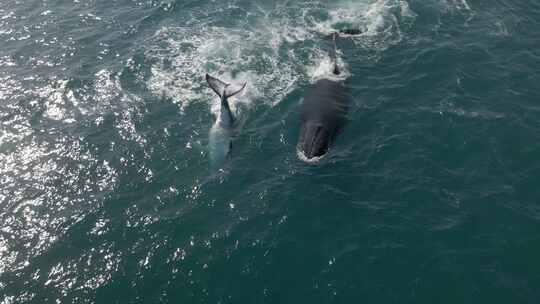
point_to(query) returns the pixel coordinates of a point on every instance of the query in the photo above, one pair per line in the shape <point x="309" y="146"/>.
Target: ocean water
<point x="429" y="195"/>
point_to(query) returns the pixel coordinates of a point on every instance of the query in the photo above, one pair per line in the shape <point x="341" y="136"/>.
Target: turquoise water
<point x="429" y="195"/>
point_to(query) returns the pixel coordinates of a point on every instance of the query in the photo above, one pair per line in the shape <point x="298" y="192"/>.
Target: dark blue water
<point x="429" y="195"/>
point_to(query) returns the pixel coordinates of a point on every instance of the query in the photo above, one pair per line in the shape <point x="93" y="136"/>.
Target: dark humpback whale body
<point x="323" y="114"/>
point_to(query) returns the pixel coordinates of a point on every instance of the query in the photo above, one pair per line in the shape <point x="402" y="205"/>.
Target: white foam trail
<point x="455" y="5"/>
<point x="53" y="94"/>
<point x="231" y="55"/>
<point x="287" y="45"/>
<point x="324" y="68"/>
<point x="460" y="4"/>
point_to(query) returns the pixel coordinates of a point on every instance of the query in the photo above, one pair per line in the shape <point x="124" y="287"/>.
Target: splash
<point x="457" y="5"/>
<point x="314" y="160"/>
<point x="325" y="67"/>
<point x="277" y="48"/>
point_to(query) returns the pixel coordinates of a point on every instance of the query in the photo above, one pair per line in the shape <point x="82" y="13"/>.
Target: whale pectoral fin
<point x="216" y="84"/>
<point x="232" y="90"/>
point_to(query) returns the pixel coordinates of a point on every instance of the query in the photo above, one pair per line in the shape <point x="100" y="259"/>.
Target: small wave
<point x="457" y="4"/>
<point x="449" y="108"/>
<point x="457" y="7"/>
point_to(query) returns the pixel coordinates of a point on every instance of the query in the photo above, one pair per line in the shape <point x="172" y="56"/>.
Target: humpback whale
<point x="323" y="113"/>
<point x="220" y="138"/>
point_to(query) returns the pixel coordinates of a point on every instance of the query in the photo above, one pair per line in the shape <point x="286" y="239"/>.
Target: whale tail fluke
<point x="220" y="87"/>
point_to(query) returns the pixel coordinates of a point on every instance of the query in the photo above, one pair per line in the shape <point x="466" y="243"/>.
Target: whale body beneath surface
<point x="323" y="114"/>
<point x="221" y="133"/>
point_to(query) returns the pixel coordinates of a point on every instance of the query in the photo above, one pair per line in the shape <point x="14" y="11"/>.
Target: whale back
<point x="326" y="102"/>
<point x="323" y="114"/>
